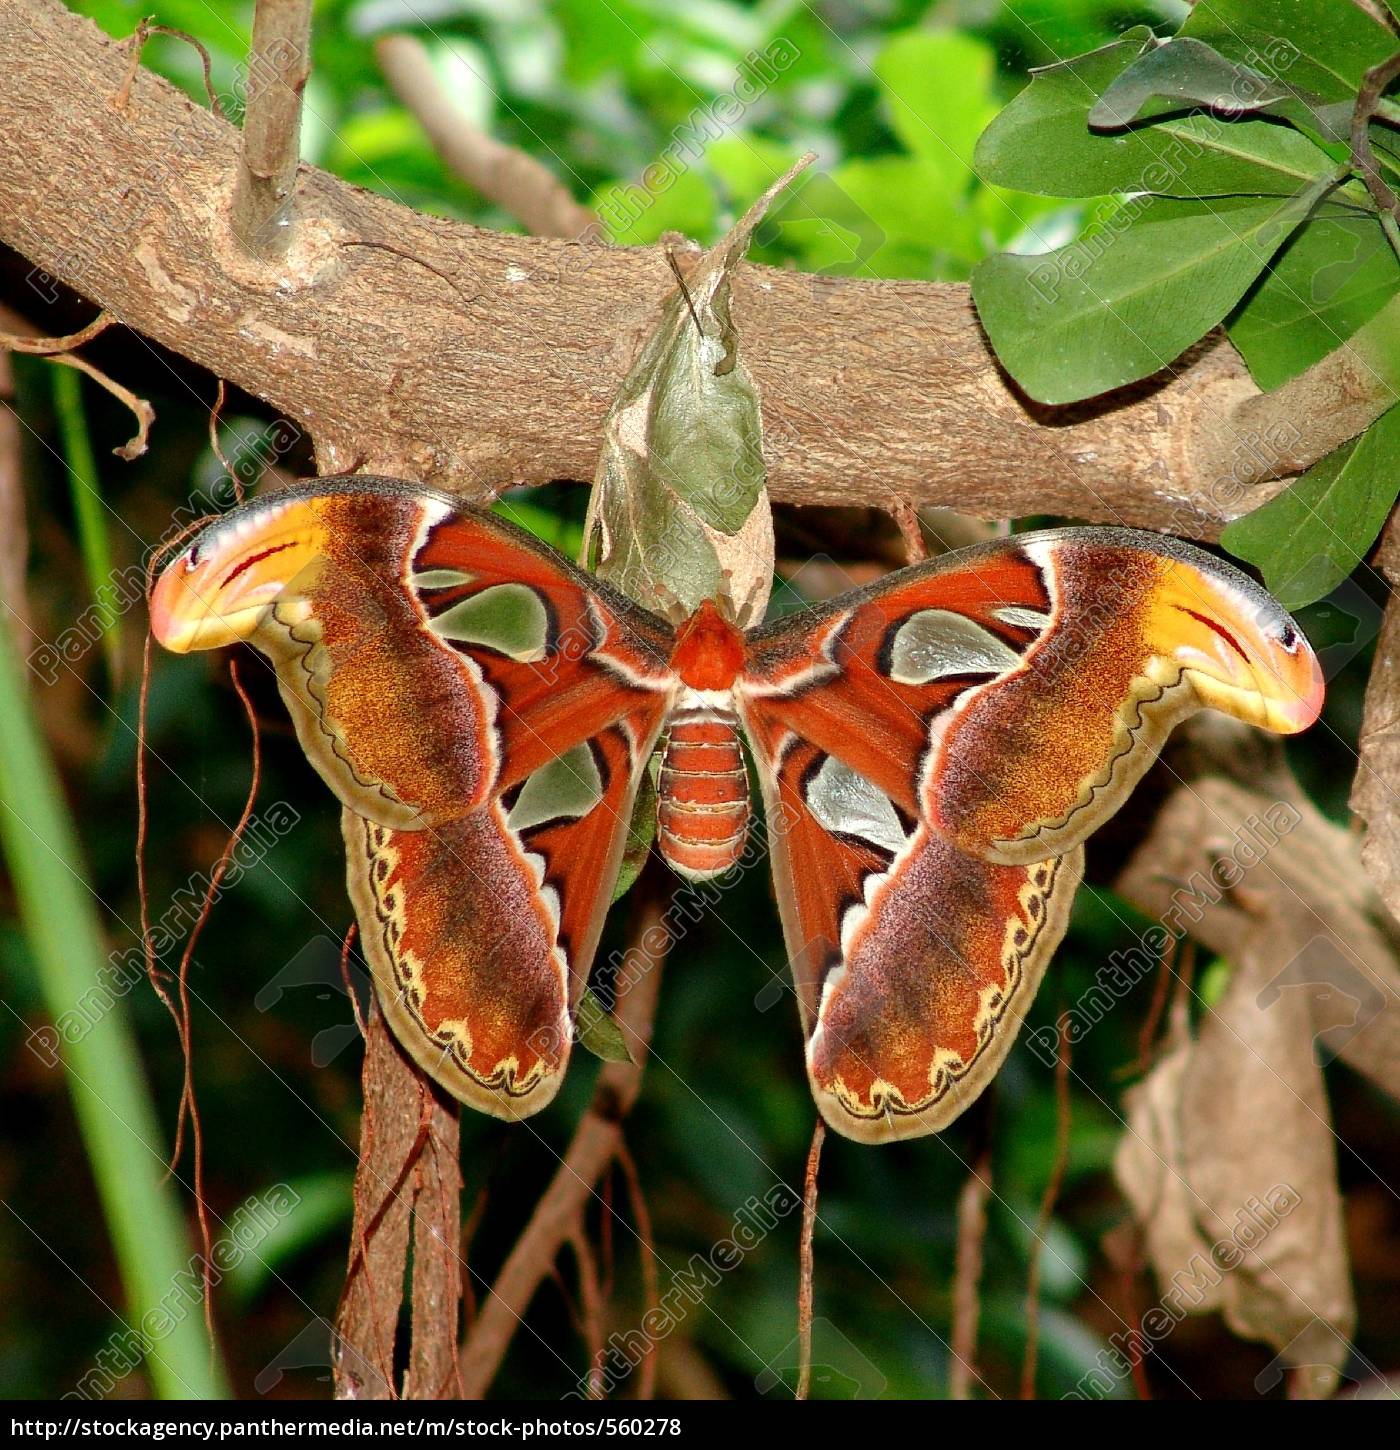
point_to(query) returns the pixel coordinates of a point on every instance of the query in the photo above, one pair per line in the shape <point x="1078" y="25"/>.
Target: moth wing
<point x="1012" y="695"/>
<point x="913" y="960"/>
<point x="480" y="931"/>
<point x="483" y="710"/>
<point x="934" y="751"/>
<point x="431" y="655"/>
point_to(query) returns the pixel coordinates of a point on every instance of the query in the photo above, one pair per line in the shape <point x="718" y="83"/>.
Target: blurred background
<point x="596" y="92"/>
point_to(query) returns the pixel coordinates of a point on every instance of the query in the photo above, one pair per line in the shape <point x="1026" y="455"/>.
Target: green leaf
<point x="560" y="533"/>
<point x="905" y="199"/>
<point x="1333" y="275"/>
<point x="596" y="1029"/>
<point x="1129" y="296"/>
<point x="1006" y="217"/>
<point x="1042" y="142"/>
<point x="1213" y="982"/>
<point x="1185" y="72"/>
<point x="641" y="832"/>
<point x="673" y="201"/>
<point x="1315" y="533"/>
<point x="938" y="88"/>
<point x="323" y="1202"/>
<point x="1311" y="45"/>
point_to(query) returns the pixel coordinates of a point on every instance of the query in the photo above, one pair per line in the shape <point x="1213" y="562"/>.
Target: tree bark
<point x="477" y="360"/>
<point x="399" y="1191"/>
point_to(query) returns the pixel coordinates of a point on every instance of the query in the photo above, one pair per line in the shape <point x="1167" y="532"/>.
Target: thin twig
<point x="971" y="1235"/>
<point x="646" y="1246"/>
<point x="145" y="414"/>
<point x="1047" y="1208"/>
<point x="215" y="413"/>
<point x="136" y="41"/>
<point x="510" y="178"/>
<point x="805" y="1287"/>
<point x="1176" y="960"/>
<point x="279" y="63"/>
<point x="45" y="346"/>
<point x="18" y="335"/>
<point x="590" y="1307"/>
<point x="1368" y="99"/>
<point x="907" y="517"/>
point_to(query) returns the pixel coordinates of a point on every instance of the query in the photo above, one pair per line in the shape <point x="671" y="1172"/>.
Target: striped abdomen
<point x="703" y="810"/>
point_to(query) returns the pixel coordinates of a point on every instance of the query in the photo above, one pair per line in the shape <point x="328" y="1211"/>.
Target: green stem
<point x="110" y="1099"/>
<point x="88" y="508"/>
<point x="1392" y="232"/>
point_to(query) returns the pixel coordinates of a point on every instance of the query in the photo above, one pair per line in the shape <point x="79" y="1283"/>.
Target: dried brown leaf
<point x="1375" y="792"/>
<point x="1230" y="1167"/>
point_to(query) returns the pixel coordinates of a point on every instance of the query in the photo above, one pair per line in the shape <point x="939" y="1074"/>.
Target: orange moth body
<point x="702" y="817"/>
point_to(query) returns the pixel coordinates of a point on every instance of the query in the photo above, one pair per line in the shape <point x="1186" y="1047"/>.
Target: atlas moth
<point x="932" y="752"/>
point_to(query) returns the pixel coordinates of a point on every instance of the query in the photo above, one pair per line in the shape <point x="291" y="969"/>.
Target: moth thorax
<point x="703" y="807"/>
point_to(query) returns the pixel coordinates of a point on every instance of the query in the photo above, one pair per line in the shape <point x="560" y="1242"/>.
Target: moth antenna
<point x="685" y="291"/>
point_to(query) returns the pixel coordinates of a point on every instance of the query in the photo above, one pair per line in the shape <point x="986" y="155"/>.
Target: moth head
<point x="220" y="588"/>
<point x="1242" y="651"/>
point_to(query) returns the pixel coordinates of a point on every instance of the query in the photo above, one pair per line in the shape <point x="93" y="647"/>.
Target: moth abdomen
<point x="703" y="807"/>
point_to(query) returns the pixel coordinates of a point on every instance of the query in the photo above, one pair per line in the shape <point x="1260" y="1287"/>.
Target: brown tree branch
<point x="437" y="1260"/>
<point x="511" y="178"/>
<point x="367" y="1320"/>
<point x="279" y="63"/>
<point x="594" y="1147"/>
<point x="407" y="1181"/>
<point x="873" y="391"/>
